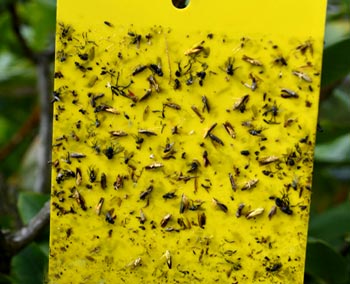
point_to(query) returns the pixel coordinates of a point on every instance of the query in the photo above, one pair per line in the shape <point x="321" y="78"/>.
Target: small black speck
<point x="245" y="153"/>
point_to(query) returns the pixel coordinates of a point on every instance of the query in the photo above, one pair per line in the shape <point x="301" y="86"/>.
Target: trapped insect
<point x="220" y="205"/>
<point x="252" y="61"/>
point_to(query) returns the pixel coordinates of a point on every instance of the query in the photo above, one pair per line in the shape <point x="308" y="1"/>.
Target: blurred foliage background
<point x="27" y="30"/>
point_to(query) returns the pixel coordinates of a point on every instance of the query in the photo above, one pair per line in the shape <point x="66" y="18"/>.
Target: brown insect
<point x="232" y="182"/>
<point x="254" y="213"/>
<point x="268" y="160"/>
<point x="165" y="220"/>
<point x="98" y="207"/>
<point x="241" y="103"/>
<point x="302" y="76"/>
<point x="201" y="219"/>
<point x="220" y="205"/>
<point x="239" y="210"/>
<point x="229" y="128"/>
<point x="250" y="184"/>
<point x="252" y="61"/>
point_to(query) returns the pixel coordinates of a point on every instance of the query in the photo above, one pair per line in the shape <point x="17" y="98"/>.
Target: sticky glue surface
<point x="183" y="140"/>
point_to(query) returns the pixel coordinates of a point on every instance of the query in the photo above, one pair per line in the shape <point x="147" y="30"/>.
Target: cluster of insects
<point x="131" y="134"/>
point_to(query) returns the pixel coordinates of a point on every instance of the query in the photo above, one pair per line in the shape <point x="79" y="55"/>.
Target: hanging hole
<point x="180" y="4"/>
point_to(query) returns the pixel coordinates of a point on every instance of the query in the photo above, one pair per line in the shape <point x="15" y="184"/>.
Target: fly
<point x="254" y="85"/>
<point x="272" y="211"/>
<point x="178" y="72"/>
<point x="205" y="104"/>
<point x="195" y="205"/>
<point x="184" y="202"/>
<point x="108" y="24"/>
<point x="142" y="217"/>
<point x="135" y="39"/>
<point x="103" y="181"/>
<point x="206" y="161"/>
<point x="110" y="151"/>
<point x="120" y="90"/>
<point x="154" y="166"/>
<point x="195" y="50"/>
<point x="145" y="193"/>
<point x="78" y="177"/>
<point x="135" y="263"/>
<point x="250" y="184"/>
<point x="168" y="146"/>
<point x="229" y="66"/>
<point x="268" y="160"/>
<point x="79" y="199"/>
<point x="165" y="220"/>
<point x="153" y="83"/>
<point x="229" y="128"/>
<point x="110" y="216"/>
<point x="77" y="155"/>
<point x="241" y="103"/>
<point x="106" y="108"/>
<point x="255" y="132"/>
<point x="273" y="110"/>
<point x="147" y="94"/>
<point x="80" y="67"/>
<point x="216" y="139"/>
<point x="232" y="182"/>
<point x="172" y="105"/>
<point x="283" y="204"/>
<point x="118" y="133"/>
<point x="239" y="210"/>
<point x="169" y="195"/>
<point x="92" y="174"/>
<point x="63" y="175"/>
<point x="94" y="98"/>
<point x="139" y="69"/>
<point x="157" y="68"/>
<point x="201" y="219"/>
<point x="280" y="61"/>
<point x="220" y="205"/>
<point x="287" y="93"/>
<point x="302" y="76"/>
<point x="197" y="112"/>
<point x="98" y="207"/>
<point x="189" y="81"/>
<point x="177" y="84"/>
<point x="167" y="256"/>
<point x="307" y="45"/>
<point x="252" y="61"/>
<point x="194" y="166"/>
<point x="274" y="267"/>
<point x="201" y="75"/>
<point x="119" y="182"/>
<point x="128" y="156"/>
<point x="169" y="155"/>
<point x="147" y="132"/>
<point x="210" y="129"/>
<point x="254" y="213"/>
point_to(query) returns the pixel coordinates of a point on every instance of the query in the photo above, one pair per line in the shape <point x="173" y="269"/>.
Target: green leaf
<point x="324" y="263"/>
<point x="337" y="151"/>
<point x="29" y="266"/>
<point x="336" y="31"/>
<point x="332" y="225"/>
<point x="334" y="112"/>
<point x="336" y="62"/>
<point x="41" y="19"/>
<point x="5" y="279"/>
<point x="29" y="204"/>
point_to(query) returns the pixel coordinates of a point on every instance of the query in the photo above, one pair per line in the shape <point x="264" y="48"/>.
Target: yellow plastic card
<point x="183" y="140"/>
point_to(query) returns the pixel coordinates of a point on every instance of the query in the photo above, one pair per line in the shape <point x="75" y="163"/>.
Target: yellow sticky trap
<point x="183" y="140"/>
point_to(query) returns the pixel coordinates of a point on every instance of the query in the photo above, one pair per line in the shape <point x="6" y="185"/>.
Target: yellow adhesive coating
<point x="183" y="150"/>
